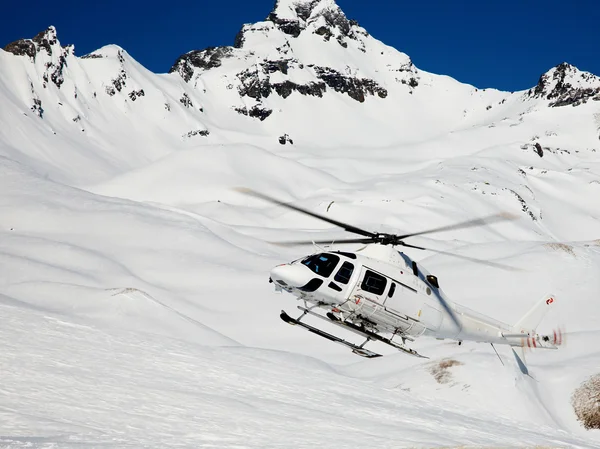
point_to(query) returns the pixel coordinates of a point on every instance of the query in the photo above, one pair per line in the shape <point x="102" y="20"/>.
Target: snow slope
<point x="134" y="299"/>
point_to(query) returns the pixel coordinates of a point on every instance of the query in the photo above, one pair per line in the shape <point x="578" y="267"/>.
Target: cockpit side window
<point x="344" y="273"/>
<point x="373" y="283"/>
<point x="322" y="264"/>
<point x="392" y="290"/>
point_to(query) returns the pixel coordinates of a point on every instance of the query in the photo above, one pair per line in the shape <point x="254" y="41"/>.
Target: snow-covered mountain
<point x="133" y="279"/>
<point x="306" y="75"/>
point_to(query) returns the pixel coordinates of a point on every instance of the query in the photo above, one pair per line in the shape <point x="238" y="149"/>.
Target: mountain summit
<point x="324" y="16"/>
<point x="45" y="40"/>
<point x="567" y="85"/>
<point x="306" y="47"/>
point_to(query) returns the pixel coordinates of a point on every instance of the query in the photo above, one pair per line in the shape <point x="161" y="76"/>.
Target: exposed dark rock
<point x="577" y="96"/>
<point x="119" y="81"/>
<point x="92" y="56"/>
<point x="554" y="85"/>
<point x="286" y="88"/>
<point x="255" y="85"/>
<point x="186" y="101"/>
<point x="325" y="32"/>
<point x="356" y="88"/>
<point x="255" y="112"/>
<point x="280" y="65"/>
<point x="198" y="132"/>
<point x="304" y="10"/>
<point x="334" y="18"/>
<point x="252" y="85"/>
<point x="259" y="113"/>
<point x="524" y="206"/>
<point x="57" y="74"/>
<point x="208" y="58"/>
<point x="342" y="42"/>
<point x="134" y="94"/>
<point x="413" y="83"/>
<point x="285" y="139"/>
<point x="21" y="48"/>
<point x="291" y="27"/>
<point x="45" y="39"/>
<point x="37" y="107"/>
<point x="538" y="149"/>
<point x="240" y="38"/>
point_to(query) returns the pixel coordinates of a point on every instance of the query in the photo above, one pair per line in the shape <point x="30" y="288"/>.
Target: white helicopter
<point x="382" y="295"/>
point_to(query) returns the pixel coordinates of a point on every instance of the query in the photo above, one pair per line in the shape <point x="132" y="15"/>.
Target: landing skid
<point x="369" y="335"/>
<point x="355" y="348"/>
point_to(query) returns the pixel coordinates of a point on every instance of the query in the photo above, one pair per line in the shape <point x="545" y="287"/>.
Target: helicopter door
<point x="403" y="300"/>
<point x="371" y="286"/>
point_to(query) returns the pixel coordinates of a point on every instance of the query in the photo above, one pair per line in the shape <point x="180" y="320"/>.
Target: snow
<point x="134" y="299"/>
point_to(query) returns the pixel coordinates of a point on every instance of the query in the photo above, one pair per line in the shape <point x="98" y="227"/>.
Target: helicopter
<point x="381" y="294"/>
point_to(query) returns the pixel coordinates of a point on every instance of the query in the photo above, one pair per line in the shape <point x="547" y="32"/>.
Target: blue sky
<point x="488" y="43"/>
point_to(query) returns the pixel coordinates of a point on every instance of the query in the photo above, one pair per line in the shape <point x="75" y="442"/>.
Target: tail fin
<point x="531" y="320"/>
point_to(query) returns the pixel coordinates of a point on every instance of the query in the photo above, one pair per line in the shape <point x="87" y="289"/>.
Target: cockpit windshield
<point x="322" y="264"/>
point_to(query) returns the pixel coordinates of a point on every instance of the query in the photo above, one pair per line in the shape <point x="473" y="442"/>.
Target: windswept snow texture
<point x="134" y="303"/>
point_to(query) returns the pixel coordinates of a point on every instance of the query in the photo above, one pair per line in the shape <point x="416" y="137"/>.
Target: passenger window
<point x="343" y="275"/>
<point x="392" y="290"/>
<point x="373" y="283"/>
<point x="335" y="287"/>
<point x="322" y="264"/>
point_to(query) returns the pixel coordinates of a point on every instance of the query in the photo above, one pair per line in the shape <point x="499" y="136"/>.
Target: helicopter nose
<point x="291" y="275"/>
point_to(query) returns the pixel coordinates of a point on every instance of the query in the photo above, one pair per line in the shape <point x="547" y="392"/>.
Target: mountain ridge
<point x="306" y="75"/>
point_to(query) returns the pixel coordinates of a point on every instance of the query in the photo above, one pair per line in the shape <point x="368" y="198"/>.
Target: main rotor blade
<point x="447" y="308"/>
<point x="503" y="216"/>
<point x="324" y="242"/>
<point x="470" y="259"/>
<point x="342" y="225"/>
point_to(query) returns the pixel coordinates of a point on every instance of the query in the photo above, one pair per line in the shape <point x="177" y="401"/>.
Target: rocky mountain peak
<point x="293" y="16"/>
<point x="272" y="58"/>
<point x="566" y="85"/>
<point x="301" y="9"/>
<point x="46" y="49"/>
<point x="46" y="41"/>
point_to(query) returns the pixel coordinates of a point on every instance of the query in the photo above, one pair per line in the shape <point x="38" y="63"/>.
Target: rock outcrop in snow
<point x="295" y="26"/>
<point x="566" y="85"/>
<point x="324" y="17"/>
<point x="45" y="50"/>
